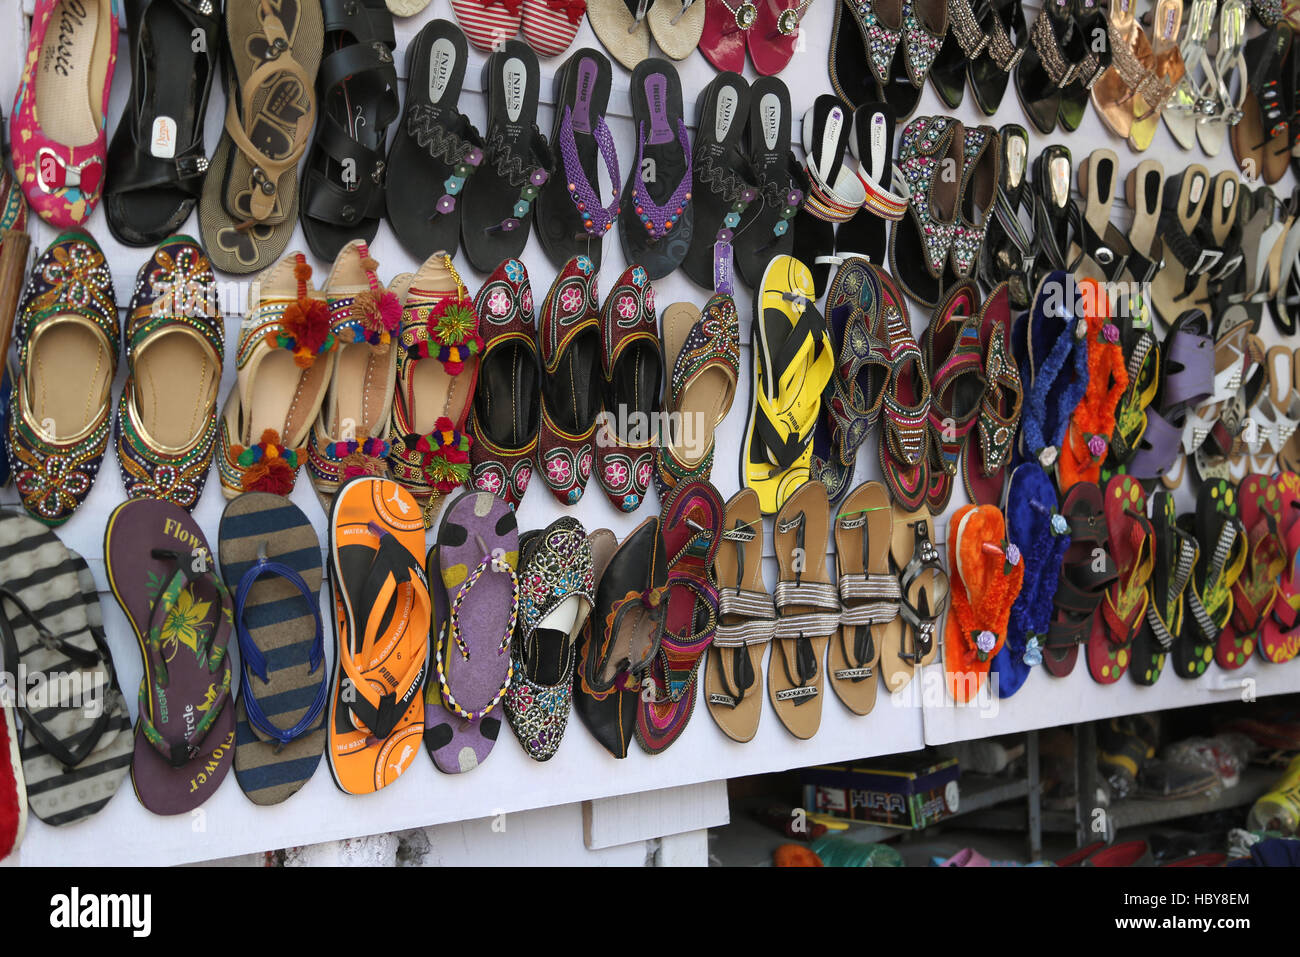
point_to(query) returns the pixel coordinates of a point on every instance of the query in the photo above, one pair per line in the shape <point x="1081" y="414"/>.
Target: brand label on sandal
<point x="162" y="141"/>
<point x="769" y="111"/>
<point x="515" y="78"/>
<point x="587" y="73"/>
<point x="725" y="113"/>
<point x="442" y="60"/>
<point x="879" y="132"/>
<point x="1229" y="191"/>
<point x="1196" y="189"/>
<point x="722" y="267"/>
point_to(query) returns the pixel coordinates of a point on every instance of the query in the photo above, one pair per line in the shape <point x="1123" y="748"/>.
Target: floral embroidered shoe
<point x="436" y="371"/>
<point x="350" y="436"/>
<point x="703" y="351"/>
<point x="67" y="353"/>
<point x="283" y="367"/>
<point x="557" y="586"/>
<point x="571" y="389"/>
<point x="175" y="344"/>
<point x="507" y="402"/>
<point x="57" y="126"/>
<point x="633" y="376"/>
<point x="920" y="244"/>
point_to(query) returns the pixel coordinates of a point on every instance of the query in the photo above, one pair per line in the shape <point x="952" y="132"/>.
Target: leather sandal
<point x="733" y="670"/>
<point x="1105" y="249"/>
<point x="1173" y="288"/>
<point x="1003" y="22"/>
<point x="869" y="594"/>
<point x="1057" y="221"/>
<point x="1261" y="141"/>
<point x="249" y="205"/>
<point x="986" y="456"/>
<point x="156" y="158"/>
<point x="1048" y="64"/>
<point x="1007" y="255"/>
<point x="910" y="640"/>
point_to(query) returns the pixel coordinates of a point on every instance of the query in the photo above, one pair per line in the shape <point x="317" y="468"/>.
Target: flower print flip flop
<point x="57" y="125"/>
<point x="506" y="416"/>
<point x="1125" y="604"/>
<point x="475" y="605"/>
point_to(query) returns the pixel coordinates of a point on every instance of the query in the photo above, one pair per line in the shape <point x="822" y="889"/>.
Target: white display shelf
<point x="229" y="825"/>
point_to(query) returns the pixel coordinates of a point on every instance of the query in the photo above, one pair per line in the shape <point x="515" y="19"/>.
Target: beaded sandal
<point x="981" y="167"/>
<point x="964" y="43"/>
<point x="905" y="402"/>
<point x="953" y="354"/>
<point x="985" y="458"/>
<point x="920" y="245"/>
<point x="67" y="337"/>
<point x="1003" y="22"/>
<point x="175" y="344"/>
<point x="1049" y="64"/>
<point x="1089" y="66"/>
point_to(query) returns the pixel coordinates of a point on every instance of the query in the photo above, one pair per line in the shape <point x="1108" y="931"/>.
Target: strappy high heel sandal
<point x="1228" y="71"/>
<point x="1153" y="91"/>
<point x="1194" y="101"/>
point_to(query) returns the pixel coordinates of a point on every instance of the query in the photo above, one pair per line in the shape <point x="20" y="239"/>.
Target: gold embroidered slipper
<point x="350" y="436"/>
<point x="67" y="351"/>
<point x="283" y="366"/>
<point x="175" y="345"/>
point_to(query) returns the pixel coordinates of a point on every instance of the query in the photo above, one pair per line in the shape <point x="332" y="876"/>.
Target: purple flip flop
<point x="164" y="576"/>
<point x="475" y="599"/>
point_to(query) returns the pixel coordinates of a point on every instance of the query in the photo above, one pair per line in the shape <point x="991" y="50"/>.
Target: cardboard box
<point x="905" y="794"/>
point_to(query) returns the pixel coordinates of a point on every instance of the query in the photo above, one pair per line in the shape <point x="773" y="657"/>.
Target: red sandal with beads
<point x="284" y="364"/>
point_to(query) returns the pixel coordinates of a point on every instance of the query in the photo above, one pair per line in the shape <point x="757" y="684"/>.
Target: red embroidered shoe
<point x="57" y="126"/>
<point x="507" y="402"/>
<point x="570" y="347"/>
<point x="633" y="373"/>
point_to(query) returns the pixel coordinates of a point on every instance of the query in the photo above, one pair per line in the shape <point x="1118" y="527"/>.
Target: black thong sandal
<point x="723" y="186"/>
<point x="343" y="188"/>
<point x="571" y="220"/>
<point x="781" y="181"/>
<point x="500" y="197"/>
<point x="657" y="216"/>
<point x="156" y="161"/>
<point x="435" y="145"/>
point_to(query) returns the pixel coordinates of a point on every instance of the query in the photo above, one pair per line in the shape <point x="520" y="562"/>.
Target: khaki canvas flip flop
<point x="869" y="594"/>
<point x="677" y="26"/>
<point x="249" y="206"/>
<point x="909" y="640"/>
<point x="733" y="671"/>
<point x="808" y="610"/>
<point x="621" y="26"/>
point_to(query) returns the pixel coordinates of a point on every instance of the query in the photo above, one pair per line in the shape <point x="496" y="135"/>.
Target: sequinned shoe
<point x="920" y="244"/>
<point x="175" y="344"/>
<point x="67" y="356"/>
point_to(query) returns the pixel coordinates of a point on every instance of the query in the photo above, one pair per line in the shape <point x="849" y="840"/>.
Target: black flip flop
<point x="500" y="197"/>
<point x="571" y="220"/>
<point x="435" y="146"/>
<point x="723" y="191"/>
<point x="658" y="217"/>
<point x="827" y="129"/>
<point x="872" y="145"/>
<point x="343" y="182"/>
<point x="156" y="162"/>
<point x="781" y="181"/>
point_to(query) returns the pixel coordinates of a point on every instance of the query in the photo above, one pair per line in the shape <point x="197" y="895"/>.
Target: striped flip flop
<point x="77" y="747"/>
<point x="271" y="563"/>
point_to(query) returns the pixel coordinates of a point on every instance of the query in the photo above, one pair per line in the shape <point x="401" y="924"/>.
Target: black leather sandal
<point x="1058" y="224"/>
<point x="156" y="162"/>
<point x="1094" y="46"/>
<point x="436" y="149"/>
<point x="343" y="188"/>
<point x="964" y="43"/>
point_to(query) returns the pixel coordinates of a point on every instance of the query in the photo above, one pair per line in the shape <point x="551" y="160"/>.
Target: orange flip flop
<point x="381" y="633"/>
<point x="987" y="572"/>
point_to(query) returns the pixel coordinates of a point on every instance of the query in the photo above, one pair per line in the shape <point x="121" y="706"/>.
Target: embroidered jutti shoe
<point x="67" y="353"/>
<point x="437" y="368"/>
<point x="283" y="365"/>
<point x="175" y="342"/>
